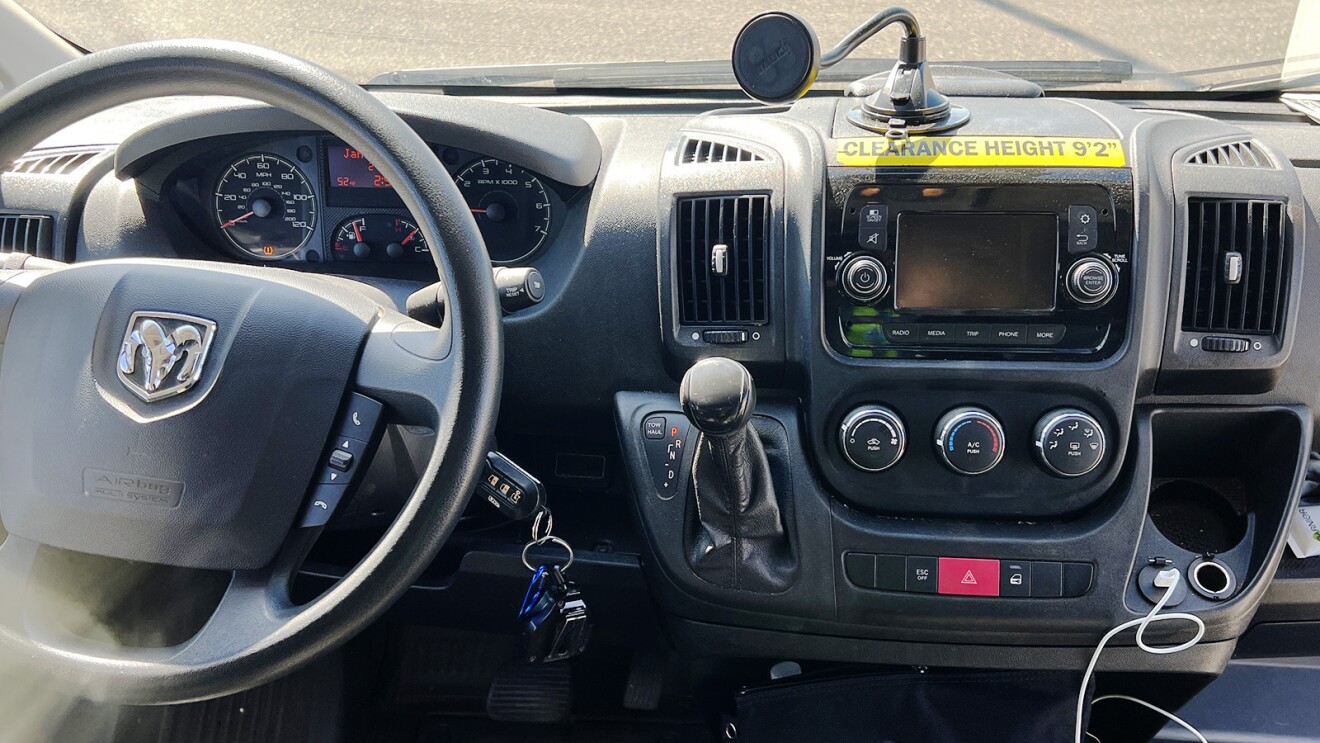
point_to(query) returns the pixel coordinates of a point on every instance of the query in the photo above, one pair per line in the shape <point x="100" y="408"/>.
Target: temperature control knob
<point x="863" y="279"/>
<point x="969" y="440"/>
<point x="1069" y="442"/>
<point x="873" y="438"/>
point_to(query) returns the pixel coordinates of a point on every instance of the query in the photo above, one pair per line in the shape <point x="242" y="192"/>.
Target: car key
<point x="554" y="620"/>
<point x="511" y="489"/>
<point x="557" y="624"/>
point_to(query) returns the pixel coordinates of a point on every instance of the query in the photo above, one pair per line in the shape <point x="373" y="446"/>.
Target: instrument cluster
<point x="314" y="199"/>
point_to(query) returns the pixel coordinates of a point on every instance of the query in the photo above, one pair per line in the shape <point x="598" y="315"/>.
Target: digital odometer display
<point x="351" y="169"/>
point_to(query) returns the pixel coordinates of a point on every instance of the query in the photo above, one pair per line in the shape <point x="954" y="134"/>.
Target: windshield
<point x="1177" y="45"/>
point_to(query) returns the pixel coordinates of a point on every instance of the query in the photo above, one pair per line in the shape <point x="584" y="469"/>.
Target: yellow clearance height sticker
<point x="981" y="152"/>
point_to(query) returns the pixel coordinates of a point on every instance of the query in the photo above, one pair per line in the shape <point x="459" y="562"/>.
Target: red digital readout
<point x="351" y="169"/>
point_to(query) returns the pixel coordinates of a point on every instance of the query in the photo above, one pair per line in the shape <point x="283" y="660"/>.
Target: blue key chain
<point x="534" y="591"/>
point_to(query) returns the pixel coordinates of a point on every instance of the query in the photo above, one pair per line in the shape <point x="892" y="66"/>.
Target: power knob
<point x="863" y="279"/>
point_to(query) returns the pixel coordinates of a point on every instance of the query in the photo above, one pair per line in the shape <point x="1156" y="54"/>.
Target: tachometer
<point x="265" y="206"/>
<point x="511" y="206"/>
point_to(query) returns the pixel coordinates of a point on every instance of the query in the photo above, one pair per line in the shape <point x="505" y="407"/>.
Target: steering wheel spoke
<point x="256" y="604"/>
<point x="255" y="607"/>
<point x="410" y="367"/>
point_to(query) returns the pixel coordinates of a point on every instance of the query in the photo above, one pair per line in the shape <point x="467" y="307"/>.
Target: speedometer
<point x="511" y="207"/>
<point x="265" y="206"/>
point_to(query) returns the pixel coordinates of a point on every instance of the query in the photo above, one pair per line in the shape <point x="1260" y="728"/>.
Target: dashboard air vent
<point x="54" y="162"/>
<point x="1237" y="266"/>
<point x="723" y="263"/>
<point x="26" y="233"/>
<point x="705" y="151"/>
<point x="1237" y="154"/>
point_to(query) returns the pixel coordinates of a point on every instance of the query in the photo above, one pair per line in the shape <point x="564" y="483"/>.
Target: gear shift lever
<point x="738" y="538"/>
<point x="718" y="396"/>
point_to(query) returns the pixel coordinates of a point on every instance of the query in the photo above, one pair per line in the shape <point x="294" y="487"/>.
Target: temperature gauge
<point x="379" y="237"/>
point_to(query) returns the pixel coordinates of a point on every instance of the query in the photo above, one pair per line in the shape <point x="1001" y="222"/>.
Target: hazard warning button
<point x="961" y="576"/>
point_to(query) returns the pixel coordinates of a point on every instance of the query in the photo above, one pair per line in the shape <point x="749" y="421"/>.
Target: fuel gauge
<point x="379" y="237"/>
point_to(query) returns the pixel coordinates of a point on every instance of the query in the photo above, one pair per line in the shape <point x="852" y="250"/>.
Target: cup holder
<point x="1198" y="516"/>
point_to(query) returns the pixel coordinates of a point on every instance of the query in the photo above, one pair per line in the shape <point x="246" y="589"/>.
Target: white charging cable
<point x="1167" y="579"/>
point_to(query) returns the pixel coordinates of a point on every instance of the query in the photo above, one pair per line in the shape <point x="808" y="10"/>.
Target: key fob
<point x="555" y="623"/>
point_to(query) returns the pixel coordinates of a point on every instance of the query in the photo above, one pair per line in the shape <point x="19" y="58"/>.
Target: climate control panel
<point x="970" y="441"/>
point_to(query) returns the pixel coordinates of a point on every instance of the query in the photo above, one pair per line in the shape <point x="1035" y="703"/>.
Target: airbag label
<point x="133" y="488"/>
<point x="981" y="152"/>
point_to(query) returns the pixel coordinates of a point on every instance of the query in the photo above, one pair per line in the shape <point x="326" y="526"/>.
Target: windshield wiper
<point x="719" y="74"/>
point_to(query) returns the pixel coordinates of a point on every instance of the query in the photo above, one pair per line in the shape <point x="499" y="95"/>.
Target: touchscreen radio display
<point x="958" y="262"/>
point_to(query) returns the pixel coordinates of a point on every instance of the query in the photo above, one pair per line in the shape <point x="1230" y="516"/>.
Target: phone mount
<point x="777" y="57"/>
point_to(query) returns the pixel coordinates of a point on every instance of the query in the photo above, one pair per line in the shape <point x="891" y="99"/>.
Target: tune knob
<point x="873" y="438"/>
<point x="1069" y="442"/>
<point x="969" y="440"/>
<point x="1091" y="282"/>
<point x="863" y="278"/>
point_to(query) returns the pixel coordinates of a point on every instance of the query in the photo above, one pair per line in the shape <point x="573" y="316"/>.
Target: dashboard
<point x="1046" y="373"/>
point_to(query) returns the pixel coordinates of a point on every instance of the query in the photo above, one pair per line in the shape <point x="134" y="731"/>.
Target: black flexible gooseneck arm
<point x="912" y="51"/>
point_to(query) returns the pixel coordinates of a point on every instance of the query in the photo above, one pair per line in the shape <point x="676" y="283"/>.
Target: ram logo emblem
<point x="163" y="352"/>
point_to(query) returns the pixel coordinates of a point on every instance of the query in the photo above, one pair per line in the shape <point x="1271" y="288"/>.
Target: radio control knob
<point x="863" y="279"/>
<point x="1069" y="442"/>
<point x="969" y="440"/>
<point x="1091" y="282"/>
<point x="873" y="438"/>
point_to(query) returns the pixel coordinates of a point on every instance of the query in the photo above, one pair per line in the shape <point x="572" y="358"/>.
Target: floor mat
<point x="474" y="730"/>
<point x="305" y="706"/>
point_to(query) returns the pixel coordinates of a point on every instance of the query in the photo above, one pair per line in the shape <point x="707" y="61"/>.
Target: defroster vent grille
<point x="706" y="151"/>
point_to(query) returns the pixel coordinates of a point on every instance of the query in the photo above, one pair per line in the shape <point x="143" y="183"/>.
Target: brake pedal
<point x="531" y="692"/>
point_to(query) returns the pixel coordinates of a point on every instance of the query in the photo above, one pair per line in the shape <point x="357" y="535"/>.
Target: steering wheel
<point x="218" y="474"/>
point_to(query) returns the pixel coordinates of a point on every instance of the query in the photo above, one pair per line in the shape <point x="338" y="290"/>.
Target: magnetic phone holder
<point x="777" y="56"/>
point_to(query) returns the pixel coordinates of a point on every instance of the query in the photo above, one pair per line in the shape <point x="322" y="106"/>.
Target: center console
<point x="969" y="379"/>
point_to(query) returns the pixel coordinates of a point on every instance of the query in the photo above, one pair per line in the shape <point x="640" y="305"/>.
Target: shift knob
<point x="718" y="396"/>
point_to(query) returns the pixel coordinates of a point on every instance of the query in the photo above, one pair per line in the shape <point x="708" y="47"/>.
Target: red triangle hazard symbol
<point x="969" y="579"/>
